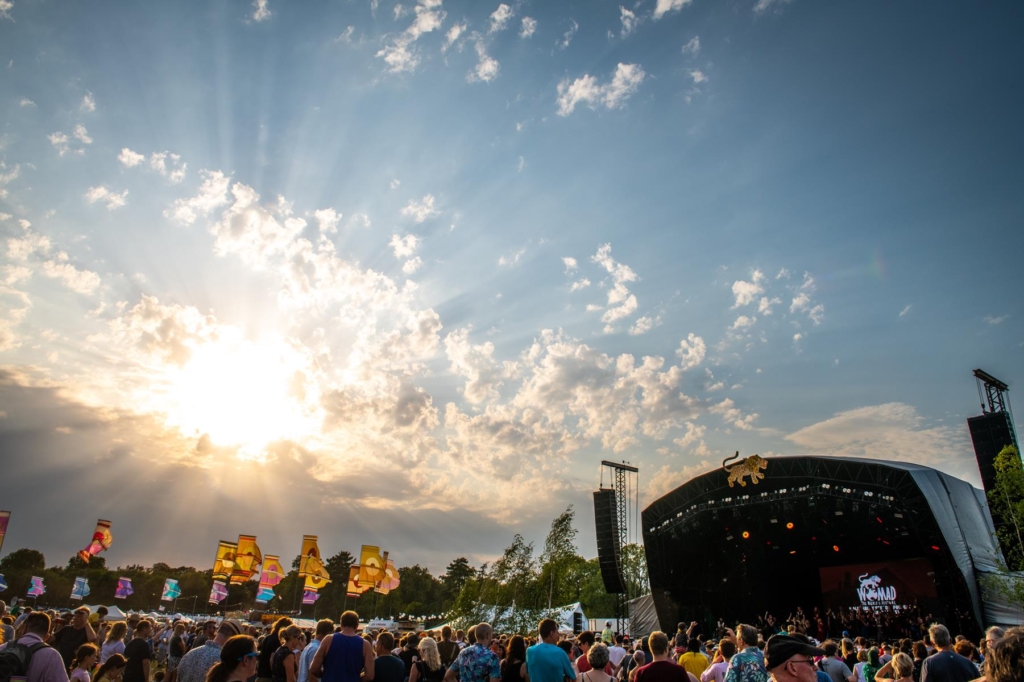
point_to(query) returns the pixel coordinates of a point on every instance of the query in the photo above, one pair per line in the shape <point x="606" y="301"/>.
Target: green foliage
<point x="1006" y="502"/>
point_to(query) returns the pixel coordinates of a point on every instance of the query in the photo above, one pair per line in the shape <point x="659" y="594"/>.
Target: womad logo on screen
<point x="873" y="593"/>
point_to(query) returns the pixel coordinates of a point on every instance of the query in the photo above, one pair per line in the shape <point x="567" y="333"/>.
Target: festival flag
<point x="171" y="590"/>
<point x="124" y="588"/>
<point x="36" y="588"/>
<point x="101" y="540"/>
<point x="247" y="558"/>
<point x="371" y="566"/>
<point x="390" y="580"/>
<point x="5" y="516"/>
<point x="81" y="589"/>
<point x="219" y="592"/>
<point x="3" y="583"/>
<point x="265" y="594"/>
<point x="354" y="588"/>
<point x="309" y="597"/>
<point x="315" y="583"/>
<point x="309" y="559"/>
<point x="225" y="561"/>
<point x="271" y="572"/>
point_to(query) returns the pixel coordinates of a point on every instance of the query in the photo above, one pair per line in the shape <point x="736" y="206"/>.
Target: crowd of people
<point x="878" y="623"/>
<point x="81" y="646"/>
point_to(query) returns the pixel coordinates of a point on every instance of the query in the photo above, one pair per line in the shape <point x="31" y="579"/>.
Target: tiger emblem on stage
<point x="751" y="466"/>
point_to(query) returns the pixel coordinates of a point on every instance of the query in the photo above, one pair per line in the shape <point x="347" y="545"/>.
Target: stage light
<point x="746" y="535"/>
<point x="839" y="512"/>
<point x="789" y="525"/>
<point x="879" y="519"/>
<point x="774" y="520"/>
<point x="792" y="551"/>
<point x="936" y="548"/>
<point x="835" y="548"/>
<point x="728" y="537"/>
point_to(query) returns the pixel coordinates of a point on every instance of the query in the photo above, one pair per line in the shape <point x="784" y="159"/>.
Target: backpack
<point x="14" y="660"/>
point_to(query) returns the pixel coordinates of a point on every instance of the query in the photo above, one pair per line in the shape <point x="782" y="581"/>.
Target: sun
<point x="241" y="394"/>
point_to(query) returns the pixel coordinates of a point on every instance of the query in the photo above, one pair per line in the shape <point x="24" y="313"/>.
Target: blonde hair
<point x="117" y="631"/>
<point x="428" y="649"/>
<point x="903" y="665"/>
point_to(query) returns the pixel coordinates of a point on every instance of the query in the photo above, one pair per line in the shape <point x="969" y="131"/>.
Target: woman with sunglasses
<point x="237" y="661"/>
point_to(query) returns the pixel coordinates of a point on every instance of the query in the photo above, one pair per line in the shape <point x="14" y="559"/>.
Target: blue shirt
<point x="747" y="666"/>
<point x="548" y="663"/>
<point x="477" y="663"/>
<point x="305" y="659"/>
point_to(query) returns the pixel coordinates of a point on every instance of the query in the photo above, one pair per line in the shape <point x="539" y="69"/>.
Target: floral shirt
<point x="747" y="666"/>
<point x="476" y="664"/>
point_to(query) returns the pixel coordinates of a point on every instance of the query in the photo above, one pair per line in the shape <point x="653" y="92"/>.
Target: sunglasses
<point x="248" y="656"/>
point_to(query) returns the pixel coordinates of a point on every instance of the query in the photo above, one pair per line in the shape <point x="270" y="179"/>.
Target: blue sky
<point x="424" y="265"/>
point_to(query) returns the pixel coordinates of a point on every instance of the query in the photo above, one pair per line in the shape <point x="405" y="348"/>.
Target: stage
<point x="824" y="532"/>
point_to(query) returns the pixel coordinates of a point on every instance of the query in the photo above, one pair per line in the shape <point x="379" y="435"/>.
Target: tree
<point x="24" y="560"/>
<point x="75" y="563"/>
<point x="634" y="570"/>
<point x="559" y="559"/>
<point x="1006" y="501"/>
<point x="455" y="576"/>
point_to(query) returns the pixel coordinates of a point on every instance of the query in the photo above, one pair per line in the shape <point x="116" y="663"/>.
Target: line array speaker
<point x="607" y="521"/>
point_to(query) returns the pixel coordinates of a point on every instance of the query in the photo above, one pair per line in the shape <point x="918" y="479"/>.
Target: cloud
<point x="513" y="258"/>
<point x="130" y="159"/>
<point x="453" y="34"/>
<point x="996" y="320"/>
<point x="528" y="27"/>
<point x="421" y="210"/>
<point x="26" y="102"/>
<point x="328" y="220"/>
<point x="212" y="194"/>
<point x="644" y="325"/>
<point x="486" y="68"/>
<point x="745" y="292"/>
<point x="621" y="303"/>
<point x="7" y="176"/>
<point x="743" y="322"/>
<point x="628" y="20"/>
<point x="581" y="284"/>
<point x="476" y="363"/>
<point x="168" y="165"/>
<point x="571" y="265"/>
<point x="399" y="53"/>
<point x="732" y="415"/>
<point x="5" y="9"/>
<point x="803" y="302"/>
<point x="520" y="165"/>
<point x="664" y="6"/>
<point x="65" y="144"/>
<point x="404" y="247"/>
<point x="764" y="307"/>
<point x="111" y="199"/>
<point x="251" y="231"/>
<point x="395" y="183"/>
<point x="698" y="76"/>
<point x="763" y="6"/>
<point x="88" y="103"/>
<point x="82" y="135"/>
<point x="694" y="433"/>
<point x="412" y="265"/>
<point x="692" y="46"/>
<point x="346" y="35"/>
<point x="892" y="431"/>
<point x="623" y="85"/>
<point x="500" y="18"/>
<point x="903" y="313"/>
<point x="568" y="35"/>
<point x="691" y="351"/>
<point x="261" y="11"/>
<point x="37" y="249"/>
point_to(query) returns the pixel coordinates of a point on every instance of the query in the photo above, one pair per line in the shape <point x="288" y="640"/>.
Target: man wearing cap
<point x="790" y="658"/>
<point x="197" y="663"/>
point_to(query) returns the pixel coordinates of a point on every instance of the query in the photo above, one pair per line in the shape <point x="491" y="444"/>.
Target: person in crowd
<point x="477" y="663"/>
<point x="834" y="666"/>
<point x="284" y="663"/>
<point x="67" y="639"/>
<point x="268" y="647"/>
<point x="790" y="658"/>
<point x="139" y="653"/>
<point x="747" y="665"/>
<point x="638" y="660"/>
<point x="460" y="639"/>
<point x="694" y="660"/>
<point x="1005" y="662"/>
<point x="344" y="656"/>
<point x="112" y="669"/>
<point x="513" y="668"/>
<point x="408" y="652"/>
<point x="46" y="663"/>
<point x="429" y="667"/>
<point x="873" y="665"/>
<point x="175" y="650"/>
<point x="899" y="669"/>
<point x="717" y="670"/>
<point x="607" y="635"/>
<point x="966" y="648"/>
<point x="598" y="665"/>
<point x="7" y="629"/>
<point x="195" y="665"/>
<point x="498" y="647"/>
<point x="96" y="619"/>
<point x="323" y="628"/>
<point x="238" y="661"/>
<point x="83" y="663"/>
<point x="209" y="632"/>
<point x="858" y="667"/>
<point x="992" y="637"/>
<point x="585" y="640"/>
<point x="387" y="667"/>
<point x="945" y="665"/>
<point x="850" y="653"/>
<point x="545" y="661"/>
<point x="616" y="652"/>
<point x="662" y="668"/>
<point x="114" y="642"/>
<point x="448" y="648"/>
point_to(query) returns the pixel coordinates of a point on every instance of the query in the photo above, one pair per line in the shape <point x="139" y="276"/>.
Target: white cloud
<point x="168" y="165"/>
<point x="5" y="8"/>
<point x="698" y="76"/>
<point x="643" y="325"/>
<point x="26" y="102"/>
<point x="251" y="231"/>
<point x="453" y="34"/>
<point x="521" y="165"/>
<point x="571" y="264"/>
<point x="745" y="292"/>
<point x="903" y="313"/>
<point x="346" y="35"/>
<point x="79" y="281"/>
<point x="581" y="284"/>
<point x="64" y="143"/>
<point x="621" y="303"/>
<point x="763" y="6"/>
<point x="82" y="135"/>
<point x="486" y="68"/>
<point x="802" y="301"/>
<point x="421" y="210"/>
<point x="528" y="28"/>
<point x="395" y="183"/>
<point x="743" y="322"/>
<point x="130" y="159"/>
<point x="624" y="83"/>
<point x="111" y="199"/>
<point x="628" y="20"/>
<point x="7" y="176"/>
<point x="664" y="6"/>
<point x="691" y="351"/>
<point x="88" y="103"/>
<point x="567" y="36"/>
<point x="692" y="46"/>
<point x="500" y="18"/>
<point x="513" y="258"/>
<point x="404" y="247"/>
<point x="212" y="194"/>
<point x="783" y="274"/>
<point x="694" y="433"/>
<point x="996" y="320"/>
<point x="764" y="307"/>
<point x="476" y="363"/>
<point x="261" y="11"/>
<point x="327" y="219"/>
<point x="732" y="415"/>
<point x="412" y="265"/>
<point x="399" y="53"/>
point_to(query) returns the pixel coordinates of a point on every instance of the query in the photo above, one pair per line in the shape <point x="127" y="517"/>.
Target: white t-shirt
<point x="716" y="672"/>
<point x="616" y="654"/>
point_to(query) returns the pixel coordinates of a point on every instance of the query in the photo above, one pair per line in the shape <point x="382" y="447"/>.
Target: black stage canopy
<point x="825" y="531"/>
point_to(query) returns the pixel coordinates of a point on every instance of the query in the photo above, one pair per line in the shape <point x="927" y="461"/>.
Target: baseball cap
<point x="232" y="626"/>
<point x="781" y="648"/>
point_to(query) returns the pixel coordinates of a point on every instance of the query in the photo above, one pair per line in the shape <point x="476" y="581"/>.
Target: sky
<point x="403" y="274"/>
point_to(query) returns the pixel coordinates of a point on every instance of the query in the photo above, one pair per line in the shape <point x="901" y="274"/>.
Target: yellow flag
<point x="310" y="550"/>
<point x="225" y="561"/>
<point x="371" y="566"/>
<point x="247" y="558"/>
<point x="354" y="588"/>
<point x="315" y="583"/>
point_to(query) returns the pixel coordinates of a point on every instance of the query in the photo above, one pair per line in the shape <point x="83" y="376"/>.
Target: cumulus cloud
<point x="743" y="322"/>
<point x="691" y="351"/>
<point x="168" y="165"/>
<point x="643" y="325"/>
<point x="766" y="304"/>
<point x="476" y="363"/>
<point x="212" y="194"/>
<point x="513" y="258"/>
<point x="404" y="247"/>
<point x="528" y="27"/>
<point x="261" y="12"/>
<point x="803" y="301"/>
<point x="108" y="197"/>
<point x="745" y="292"/>
<point x="453" y="34"/>
<point x="73" y="144"/>
<point x="763" y="6"/>
<point x="421" y="210"/>
<point x="692" y="46"/>
<point x="26" y="102"/>
<point x="486" y="68"/>
<point x="5" y="9"/>
<point x="570" y="264"/>
<point x="621" y="302"/>
<point x="251" y="231"/>
<point x="34" y="249"/>
<point x="7" y="176"/>
<point x="664" y="6"/>
<point x="732" y="415"/>
<point x="88" y="103"/>
<point x="628" y="20"/>
<point x="328" y="220"/>
<point x="130" y="159"/>
<point x="500" y="18"/>
<point x="586" y="90"/>
<point x="694" y="434"/>
<point x="399" y="52"/>
<point x="581" y="284"/>
<point x="698" y="76"/>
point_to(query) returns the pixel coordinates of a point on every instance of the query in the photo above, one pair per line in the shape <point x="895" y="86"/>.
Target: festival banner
<point x="315" y="583"/>
<point x="219" y="592"/>
<point x="309" y="558"/>
<point x="371" y="566"/>
<point x="5" y="517"/>
<point x="247" y="558"/>
<point x="171" y="590"/>
<point x="225" y="561"/>
<point x="36" y="588"/>
<point x="265" y="594"/>
<point x="3" y="583"/>
<point x="124" y="588"/>
<point x="271" y="572"/>
<point x="81" y="589"/>
<point x="309" y="597"/>
<point x="354" y="588"/>
<point x="101" y="540"/>
<point x="390" y="581"/>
